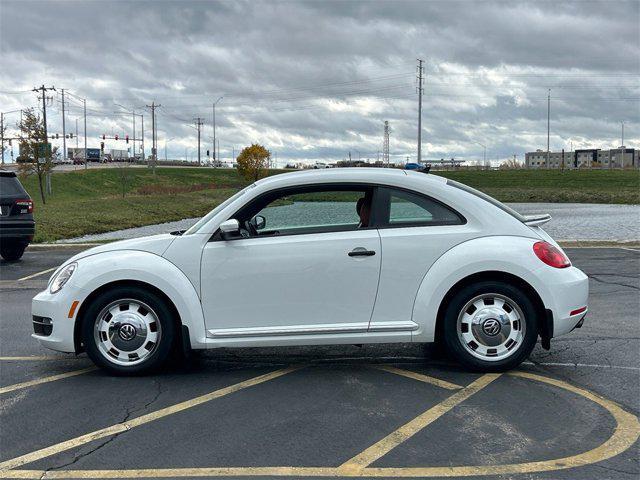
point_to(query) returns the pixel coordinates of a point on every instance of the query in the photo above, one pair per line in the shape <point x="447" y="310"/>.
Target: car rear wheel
<point x="12" y="251"/>
<point x="490" y="326"/>
<point x="128" y="331"/>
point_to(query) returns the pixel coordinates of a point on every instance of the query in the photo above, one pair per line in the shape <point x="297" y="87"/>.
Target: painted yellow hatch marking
<point x="625" y="434"/>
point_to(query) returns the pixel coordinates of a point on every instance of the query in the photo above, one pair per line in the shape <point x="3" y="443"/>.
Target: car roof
<point x="348" y="174"/>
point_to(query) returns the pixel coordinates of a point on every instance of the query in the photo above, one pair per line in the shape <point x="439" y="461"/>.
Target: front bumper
<point x="56" y="307"/>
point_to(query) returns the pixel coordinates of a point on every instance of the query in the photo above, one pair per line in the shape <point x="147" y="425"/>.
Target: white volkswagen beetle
<point x="339" y="256"/>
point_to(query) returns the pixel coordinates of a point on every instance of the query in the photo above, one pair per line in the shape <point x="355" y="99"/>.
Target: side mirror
<point x="230" y="229"/>
<point x="259" y="222"/>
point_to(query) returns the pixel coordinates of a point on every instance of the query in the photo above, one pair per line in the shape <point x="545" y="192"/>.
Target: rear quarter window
<point x="487" y="198"/>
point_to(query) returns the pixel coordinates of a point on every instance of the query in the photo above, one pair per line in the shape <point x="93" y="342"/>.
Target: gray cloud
<point x="315" y="80"/>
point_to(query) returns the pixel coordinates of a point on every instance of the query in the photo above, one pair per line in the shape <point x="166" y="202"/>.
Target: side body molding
<point x="103" y="268"/>
<point x="494" y="253"/>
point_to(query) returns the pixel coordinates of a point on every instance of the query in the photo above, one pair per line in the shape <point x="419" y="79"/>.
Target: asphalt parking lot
<point x="379" y="411"/>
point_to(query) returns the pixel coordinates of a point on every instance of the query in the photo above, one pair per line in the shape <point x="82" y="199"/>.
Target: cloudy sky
<point x="316" y="80"/>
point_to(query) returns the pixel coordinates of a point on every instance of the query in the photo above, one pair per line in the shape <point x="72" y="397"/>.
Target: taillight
<point x="26" y="203"/>
<point x="551" y="255"/>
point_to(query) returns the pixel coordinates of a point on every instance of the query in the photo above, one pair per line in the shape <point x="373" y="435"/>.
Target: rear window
<point x="487" y="198"/>
<point x="10" y="186"/>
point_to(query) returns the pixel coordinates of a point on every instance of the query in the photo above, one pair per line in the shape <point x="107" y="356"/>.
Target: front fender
<point x="508" y="254"/>
<point x="98" y="270"/>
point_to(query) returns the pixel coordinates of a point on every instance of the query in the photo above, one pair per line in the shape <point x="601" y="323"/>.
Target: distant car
<point x="16" y="217"/>
<point x="332" y="256"/>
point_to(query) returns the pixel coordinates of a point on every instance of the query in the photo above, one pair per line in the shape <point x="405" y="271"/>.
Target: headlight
<point x="62" y="277"/>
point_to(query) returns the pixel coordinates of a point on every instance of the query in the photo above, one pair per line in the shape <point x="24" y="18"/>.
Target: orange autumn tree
<point x="253" y="162"/>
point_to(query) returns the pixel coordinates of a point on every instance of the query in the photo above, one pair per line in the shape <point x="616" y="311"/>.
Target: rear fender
<point x="507" y="254"/>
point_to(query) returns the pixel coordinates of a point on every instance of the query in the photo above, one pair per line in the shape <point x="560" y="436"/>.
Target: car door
<point x="415" y="230"/>
<point x="310" y="269"/>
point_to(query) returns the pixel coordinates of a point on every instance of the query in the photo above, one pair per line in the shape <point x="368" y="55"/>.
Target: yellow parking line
<point x="37" y="274"/>
<point x="141" y="420"/>
<point x="418" y="376"/>
<point x="39" y="358"/>
<point x="39" y="381"/>
<point x="409" y="429"/>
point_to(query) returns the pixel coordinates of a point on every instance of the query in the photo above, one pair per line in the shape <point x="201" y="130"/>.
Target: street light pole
<point x="484" y="154"/>
<point x="214" y="127"/>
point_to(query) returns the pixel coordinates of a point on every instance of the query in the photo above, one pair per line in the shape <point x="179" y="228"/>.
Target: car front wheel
<point x="128" y="330"/>
<point x="490" y="326"/>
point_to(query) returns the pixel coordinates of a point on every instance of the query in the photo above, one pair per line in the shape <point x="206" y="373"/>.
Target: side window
<point x="410" y="209"/>
<point x="314" y="211"/>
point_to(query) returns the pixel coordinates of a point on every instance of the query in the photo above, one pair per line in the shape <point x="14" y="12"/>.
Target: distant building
<point x="622" y="157"/>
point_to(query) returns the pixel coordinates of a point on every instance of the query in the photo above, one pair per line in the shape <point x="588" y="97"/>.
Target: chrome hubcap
<point x="127" y="332"/>
<point x="491" y="327"/>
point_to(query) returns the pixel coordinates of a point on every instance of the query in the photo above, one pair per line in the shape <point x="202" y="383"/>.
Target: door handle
<point x="361" y="252"/>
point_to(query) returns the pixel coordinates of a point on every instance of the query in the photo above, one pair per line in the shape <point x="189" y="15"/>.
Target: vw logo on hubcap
<point x="491" y="327"/>
<point x="127" y="331"/>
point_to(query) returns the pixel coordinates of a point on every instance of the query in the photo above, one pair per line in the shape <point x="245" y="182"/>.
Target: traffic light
<point x="207" y="153"/>
<point x="104" y="136"/>
<point x="101" y="147"/>
<point x="71" y="135"/>
<point x="57" y="135"/>
<point x="126" y="137"/>
<point x="116" y="136"/>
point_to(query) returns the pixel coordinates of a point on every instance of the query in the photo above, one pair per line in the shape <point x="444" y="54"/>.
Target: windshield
<point x="487" y="198"/>
<point x="216" y="210"/>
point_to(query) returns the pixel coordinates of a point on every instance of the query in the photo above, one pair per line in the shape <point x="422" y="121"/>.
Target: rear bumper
<point x="22" y="229"/>
<point x="568" y="292"/>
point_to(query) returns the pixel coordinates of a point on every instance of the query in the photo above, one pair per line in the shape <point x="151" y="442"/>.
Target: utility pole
<point x="84" y="109"/>
<point x="199" y="123"/>
<point x="64" y="131"/>
<point x="548" y="124"/>
<point x="2" y="136"/>
<point x="214" y="127"/>
<point x="420" y="88"/>
<point x="622" y="152"/>
<point x="44" y="89"/>
<point x="76" y="134"/>
<point x="153" y="107"/>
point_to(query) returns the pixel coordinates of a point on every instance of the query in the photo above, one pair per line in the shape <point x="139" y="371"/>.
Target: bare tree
<point x="124" y="176"/>
<point x="36" y="156"/>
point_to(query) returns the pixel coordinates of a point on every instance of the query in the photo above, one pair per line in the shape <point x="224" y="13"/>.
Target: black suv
<point x="16" y="217"/>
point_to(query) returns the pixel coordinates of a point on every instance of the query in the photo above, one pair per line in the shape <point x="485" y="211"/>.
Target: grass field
<point x="91" y="201"/>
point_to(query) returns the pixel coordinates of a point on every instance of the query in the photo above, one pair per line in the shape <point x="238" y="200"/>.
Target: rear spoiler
<point x="537" y="219"/>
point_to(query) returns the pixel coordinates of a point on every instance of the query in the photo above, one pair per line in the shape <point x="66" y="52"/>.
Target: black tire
<point x="12" y="251"/>
<point x="164" y="316"/>
<point x="456" y="346"/>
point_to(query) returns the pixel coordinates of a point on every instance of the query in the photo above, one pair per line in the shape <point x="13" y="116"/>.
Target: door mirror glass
<point x="259" y="222"/>
<point x="230" y="228"/>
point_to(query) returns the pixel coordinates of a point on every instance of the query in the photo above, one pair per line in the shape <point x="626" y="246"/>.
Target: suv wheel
<point x="12" y="251"/>
<point x="490" y="326"/>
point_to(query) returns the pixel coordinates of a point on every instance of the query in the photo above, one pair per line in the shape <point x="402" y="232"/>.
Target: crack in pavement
<point x="599" y="280"/>
<point x="127" y="416"/>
